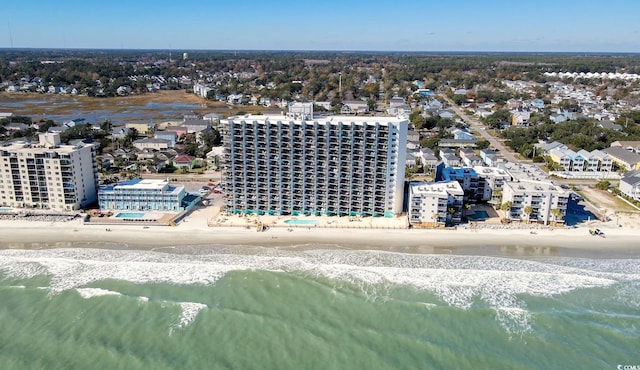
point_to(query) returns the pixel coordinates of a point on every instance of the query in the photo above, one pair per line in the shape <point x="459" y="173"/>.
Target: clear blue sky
<point x="426" y="25"/>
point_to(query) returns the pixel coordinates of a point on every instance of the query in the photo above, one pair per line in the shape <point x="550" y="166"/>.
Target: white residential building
<point x="520" y="117"/>
<point x="435" y="203"/>
<point x="577" y="161"/>
<point x="489" y="157"/>
<point x="152" y="143"/>
<point x="490" y="183"/>
<point x="449" y="157"/>
<point x="354" y="107"/>
<point x="301" y="110"/>
<point x="467" y="177"/>
<point x="201" y="90"/>
<point x="324" y="166"/>
<point x="541" y="196"/>
<point x="581" y="161"/>
<point x="630" y="184"/>
<point x="196" y="125"/>
<point x="605" y="162"/>
<point x="48" y="175"/>
<point x="142" y="195"/>
<point x="427" y="158"/>
<point x="590" y="161"/>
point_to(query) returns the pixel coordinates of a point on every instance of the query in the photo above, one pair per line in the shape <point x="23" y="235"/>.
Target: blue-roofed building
<point x="467" y="177"/>
<point x="142" y="195"/>
<point x="462" y="135"/>
<point x="171" y="136"/>
<point x="537" y="103"/>
<point x="432" y="104"/>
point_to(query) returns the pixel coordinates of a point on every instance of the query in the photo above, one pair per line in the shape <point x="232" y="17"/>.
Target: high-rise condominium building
<point x="349" y="166"/>
<point x="48" y="175"/>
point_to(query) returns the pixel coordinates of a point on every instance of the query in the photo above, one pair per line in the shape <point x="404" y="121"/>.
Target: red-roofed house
<point x="184" y="161"/>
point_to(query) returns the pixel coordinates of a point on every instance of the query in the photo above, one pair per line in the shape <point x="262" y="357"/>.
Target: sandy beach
<point x="38" y="234"/>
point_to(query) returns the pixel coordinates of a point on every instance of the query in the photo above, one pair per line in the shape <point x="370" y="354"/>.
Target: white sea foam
<point x="87" y="293"/>
<point x="189" y="312"/>
<point x="460" y="281"/>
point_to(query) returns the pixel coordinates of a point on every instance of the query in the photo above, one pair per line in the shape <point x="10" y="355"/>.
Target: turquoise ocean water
<point x="265" y="308"/>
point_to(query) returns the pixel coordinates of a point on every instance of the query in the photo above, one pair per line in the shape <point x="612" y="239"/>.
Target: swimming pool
<point x="130" y="215"/>
<point x="478" y="216"/>
<point x="4" y="209"/>
<point x="301" y="222"/>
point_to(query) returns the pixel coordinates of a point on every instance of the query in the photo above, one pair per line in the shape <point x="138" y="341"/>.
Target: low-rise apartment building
<point x="490" y="183"/>
<point x="535" y="201"/>
<point x="142" y="195"/>
<point x="467" y="177"/>
<point x="582" y="160"/>
<point x="435" y="203"/>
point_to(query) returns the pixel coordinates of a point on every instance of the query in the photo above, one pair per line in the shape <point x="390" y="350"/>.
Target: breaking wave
<point x="87" y="293"/>
<point x="459" y="281"/>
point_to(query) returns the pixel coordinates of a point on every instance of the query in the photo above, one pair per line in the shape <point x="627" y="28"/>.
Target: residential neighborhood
<point x="441" y="146"/>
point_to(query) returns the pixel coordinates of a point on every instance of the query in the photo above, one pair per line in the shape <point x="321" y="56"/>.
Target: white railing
<point x="585" y="175"/>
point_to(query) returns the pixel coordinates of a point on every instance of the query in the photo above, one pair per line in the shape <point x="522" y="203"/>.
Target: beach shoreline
<point x="20" y="234"/>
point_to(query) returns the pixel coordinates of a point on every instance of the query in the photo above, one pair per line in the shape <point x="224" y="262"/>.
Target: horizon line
<point x="3" y="49"/>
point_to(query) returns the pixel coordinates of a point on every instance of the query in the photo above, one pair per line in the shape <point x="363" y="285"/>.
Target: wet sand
<point x="578" y="242"/>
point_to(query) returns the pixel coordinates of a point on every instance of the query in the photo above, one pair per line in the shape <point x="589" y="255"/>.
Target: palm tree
<point x="528" y="210"/>
<point x="452" y="211"/>
<point x="526" y="150"/>
<point x="557" y="214"/>
<point x="496" y="193"/>
<point x="435" y="218"/>
<point x="506" y="207"/>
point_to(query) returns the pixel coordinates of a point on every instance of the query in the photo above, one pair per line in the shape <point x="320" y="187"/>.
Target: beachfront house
<point x="119" y="132"/>
<point x="469" y="157"/>
<point x="630" y="184"/>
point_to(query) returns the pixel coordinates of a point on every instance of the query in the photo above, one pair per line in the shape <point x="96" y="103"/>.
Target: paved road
<point x="480" y="127"/>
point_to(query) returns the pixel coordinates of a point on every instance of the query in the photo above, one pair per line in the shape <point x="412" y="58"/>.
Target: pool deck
<point x="345" y="222"/>
<point x="150" y="219"/>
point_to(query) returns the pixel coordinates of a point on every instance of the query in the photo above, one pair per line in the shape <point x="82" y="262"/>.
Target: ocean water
<point x="224" y="307"/>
